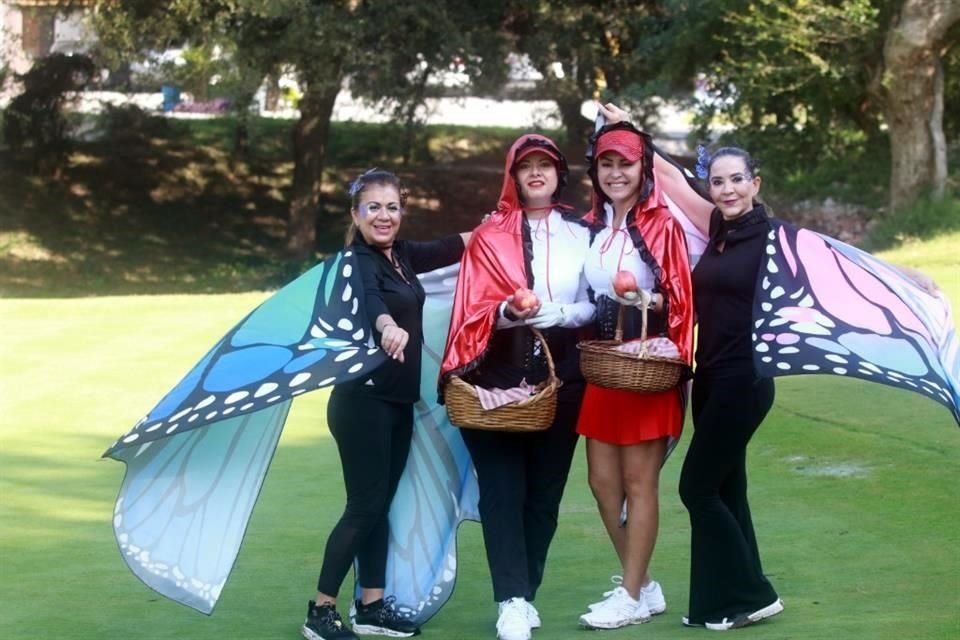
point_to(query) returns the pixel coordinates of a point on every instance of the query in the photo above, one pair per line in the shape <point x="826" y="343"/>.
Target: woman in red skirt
<point x="628" y="432"/>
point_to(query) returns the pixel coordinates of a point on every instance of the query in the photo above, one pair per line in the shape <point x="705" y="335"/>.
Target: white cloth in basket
<point x="659" y="347"/>
<point x="493" y="398"/>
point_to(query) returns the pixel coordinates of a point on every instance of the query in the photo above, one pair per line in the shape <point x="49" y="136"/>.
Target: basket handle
<point x="546" y="348"/>
<point x="644" y="304"/>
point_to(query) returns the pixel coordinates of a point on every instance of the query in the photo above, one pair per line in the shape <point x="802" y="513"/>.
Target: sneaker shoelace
<point x="388" y="611"/>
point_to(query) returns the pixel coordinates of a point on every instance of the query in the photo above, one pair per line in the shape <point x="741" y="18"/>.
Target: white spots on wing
<point x="345" y="355"/>
<point x="265" y="388"/>
<point x="783" y="366"/>
<point x="356" y="367"/>
<point x="358" y="335"/>
<point x="766" y="306"/>
<point x="179" y="415"/>
<point x="326" y="381"/>
<point x="273" y="399"/>
<point x="806" y="302"/>
<point x="172" y="428"/>
<point x="210" y="416"/>
<point x="870" y="366"/>
<point x="336" y="344"/>
<point x="236" y="396"/>
<point x="131" y="438"/>
<point x="777" y="292"/>
<point x="229" y="410"/>
<point x="297" y="392"/>
<point x="763" y="347"/>
<point x="811" y="367"/>
<point x="345" y="324"/>
<point x="326" y="325"/>
<point x="206" y="402"/>
<point x="153" y="427"/>
<point x="771" y="250"/>
<point x="796" y="294"/>
<point x="759" y="323"/>
<point x="765" y="283"/>
<point x="355" y="307"/>
<point x="840" y="371"/>
<point x="832" y="357"/>
<point x="772" y="266"/>
<point x="193" y="417"/>
<point x="306" y="346"/>
<point x="766" y="359"/>
<point x="347" y="292"/>
<point x="788" y="351"/>
<point x="347" y="271"/>
<point x="317" y="332"/>
<point x="247" y="406"/>
<point x="299" y="379"/>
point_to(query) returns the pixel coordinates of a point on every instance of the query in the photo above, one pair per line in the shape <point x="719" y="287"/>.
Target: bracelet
<point x="386" y="326"/>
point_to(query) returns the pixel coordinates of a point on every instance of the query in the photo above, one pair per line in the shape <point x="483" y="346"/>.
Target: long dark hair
<point x="374" y="176"/>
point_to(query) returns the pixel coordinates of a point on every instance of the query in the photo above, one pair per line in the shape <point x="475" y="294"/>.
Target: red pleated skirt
<point x="626" y="417"/>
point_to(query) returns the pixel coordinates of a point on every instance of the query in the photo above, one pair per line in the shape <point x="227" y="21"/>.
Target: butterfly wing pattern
<point x="823" y="306"/>
<point x="438" y="489"/>
<point x="196" y="462"/>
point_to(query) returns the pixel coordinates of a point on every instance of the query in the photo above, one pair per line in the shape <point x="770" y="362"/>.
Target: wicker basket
<point x="606" y="366"/>
<point x="535" y="413"/>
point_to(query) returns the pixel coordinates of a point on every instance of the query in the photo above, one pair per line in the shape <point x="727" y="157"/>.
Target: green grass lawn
<point x="855" y="490"/>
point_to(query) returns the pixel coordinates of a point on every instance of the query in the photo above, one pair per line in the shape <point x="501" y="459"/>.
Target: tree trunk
<point x="309" y="152"/>
<point x="913" y="97"/>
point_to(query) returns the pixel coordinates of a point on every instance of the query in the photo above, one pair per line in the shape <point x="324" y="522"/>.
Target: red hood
<point x="493" y="267"/>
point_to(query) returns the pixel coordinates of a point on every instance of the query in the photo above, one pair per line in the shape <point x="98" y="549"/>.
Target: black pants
<point x="726" y="578"/>
<point x="373" y="437"/>
<point x="521" y="478"/>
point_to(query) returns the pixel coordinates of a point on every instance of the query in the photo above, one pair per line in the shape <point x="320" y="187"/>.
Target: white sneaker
<point x="745" y="619"/>
<point x="652" y="594"/>
<point x="533" y="616"/>
<point x="513" y="623"/>
<point x="619" y="610"/>
<point x="616" y="580"/>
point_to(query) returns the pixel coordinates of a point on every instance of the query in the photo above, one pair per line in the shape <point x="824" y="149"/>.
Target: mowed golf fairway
<point x="855" y="490"/>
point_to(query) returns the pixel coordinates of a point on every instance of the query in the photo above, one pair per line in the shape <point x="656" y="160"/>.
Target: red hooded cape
<point x="665" y="239"/>
<point x="492" y="268"/>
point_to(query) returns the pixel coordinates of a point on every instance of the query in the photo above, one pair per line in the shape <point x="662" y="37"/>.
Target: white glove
<point x="550" y="315"/>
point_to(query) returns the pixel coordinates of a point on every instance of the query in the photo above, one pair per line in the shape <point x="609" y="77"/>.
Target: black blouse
<point x="402" y="297"/>
<point x="724" y="282"/>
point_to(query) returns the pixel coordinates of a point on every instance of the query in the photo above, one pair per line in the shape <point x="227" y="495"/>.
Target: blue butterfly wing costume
<point x="197" y="461"/>
<point x="823" y="306"/>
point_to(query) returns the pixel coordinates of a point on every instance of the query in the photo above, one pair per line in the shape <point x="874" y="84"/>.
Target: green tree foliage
<point x="610" y="49"/>
<point x="819" y="79"/>
<point x="390" y="50"/>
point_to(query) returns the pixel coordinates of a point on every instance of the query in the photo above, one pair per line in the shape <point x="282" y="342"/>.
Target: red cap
<point x="626" y="143"/>
<point x="535" y="148"/>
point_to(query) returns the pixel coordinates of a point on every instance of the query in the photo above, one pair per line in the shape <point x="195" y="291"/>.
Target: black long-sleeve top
<point x="402" y="297"/>
<point x="724" y="282"/>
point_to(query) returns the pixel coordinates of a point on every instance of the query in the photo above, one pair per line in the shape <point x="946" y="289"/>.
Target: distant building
<point x="31" y="29"/>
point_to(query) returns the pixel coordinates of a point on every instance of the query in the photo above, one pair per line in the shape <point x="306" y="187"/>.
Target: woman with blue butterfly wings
<point x="372" y="417"/>
<point x="197" y="461"/>
<point x="771" y="300"/>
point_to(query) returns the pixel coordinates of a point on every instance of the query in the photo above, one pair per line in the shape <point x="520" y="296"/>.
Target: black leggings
<point x="726" y="578"/>
<point x="373" y="437"/>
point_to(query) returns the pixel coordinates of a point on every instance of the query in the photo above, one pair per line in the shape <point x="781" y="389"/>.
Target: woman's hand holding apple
<point x="522" y="304"/>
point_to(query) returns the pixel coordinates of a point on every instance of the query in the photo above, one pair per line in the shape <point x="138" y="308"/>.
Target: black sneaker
<point x="324" y="623"/>
<point x="381" y="618"/>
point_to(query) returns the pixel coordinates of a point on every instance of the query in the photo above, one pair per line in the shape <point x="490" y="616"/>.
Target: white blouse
<point x="559" y="254"/>
<point x="613" y="251"/>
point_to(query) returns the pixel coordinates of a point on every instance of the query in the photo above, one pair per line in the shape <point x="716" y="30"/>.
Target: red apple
<point x="625" y="284"/>
<point x="524" y="299"/>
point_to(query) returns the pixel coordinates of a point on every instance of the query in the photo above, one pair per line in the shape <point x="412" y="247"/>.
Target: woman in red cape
<point x="628" y="432"/>
<point x="531" y="242"/>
